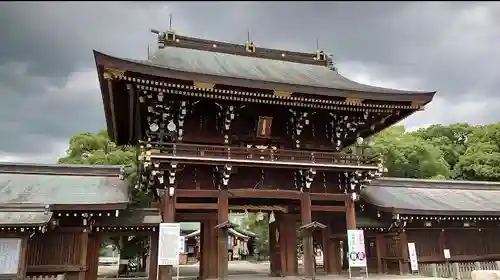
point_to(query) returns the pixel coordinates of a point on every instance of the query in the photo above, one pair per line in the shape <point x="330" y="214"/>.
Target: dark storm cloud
<point x="46" y="52"/>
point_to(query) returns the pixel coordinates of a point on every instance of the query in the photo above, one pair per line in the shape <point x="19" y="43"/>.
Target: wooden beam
<point x="328" y="197"/>
<point x="131" y="111"/>
<point x="327" y="208"/>
<point x="277" y="194"/>
<point x="196" y="193"/>
<point x="251" y="193"/>
<point x="111" y="101"/>
<point x="194" y="217"/>
<point x="55" y="268"/>
<point x="196" y="206"/>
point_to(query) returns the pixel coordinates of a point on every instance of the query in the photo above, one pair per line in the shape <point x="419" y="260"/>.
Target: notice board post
<point x="356" y="250"/>
<point x="169" y="245"/>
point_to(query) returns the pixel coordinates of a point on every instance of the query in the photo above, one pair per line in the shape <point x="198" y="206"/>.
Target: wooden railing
<point x="263" y="154"/>
<point x="456" y="270"/>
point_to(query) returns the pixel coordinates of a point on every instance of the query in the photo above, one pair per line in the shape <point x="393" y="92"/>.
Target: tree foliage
<point x="97" y="149"/>
<point x="258" y="223"/>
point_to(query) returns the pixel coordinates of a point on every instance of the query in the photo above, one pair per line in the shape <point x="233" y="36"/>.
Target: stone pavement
<point x="253" y="271"/>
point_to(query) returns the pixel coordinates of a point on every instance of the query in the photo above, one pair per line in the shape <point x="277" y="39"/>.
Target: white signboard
<point x="10" y="252"/>
<point x="356" y="248"/>
<point x="447" y="254"/>
<point x="413" y="256"/>
<point x="182" y="244"/>
<point x="168" y="245"/>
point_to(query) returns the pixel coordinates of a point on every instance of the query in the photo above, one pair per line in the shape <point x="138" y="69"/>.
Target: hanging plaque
<point x="264" y="127"/>
<point x="10" y="252"/>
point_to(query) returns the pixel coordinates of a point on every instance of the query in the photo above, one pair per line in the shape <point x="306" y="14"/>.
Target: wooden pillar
<point x="168" y="216"/>
<point x="337" y="253"/>
<point x="274" y="248"/>
<point x="153" y="255"/>
<point x="93" y="249"/>
<point x="328" y="249"/>
<point x="84" y="241"/>
<point x="222" y="234"/>
<point x="208" y="251"/>
<point x="307" y="238"/>
<point x="21" y="274"/>
<point x="379" y="249"/>
<point x="350" y="214"/>
<point x="403" y="245"/>
<point x="442" y="243"/>
<point x="283" y="245"/>
<point x="288" y="241"/>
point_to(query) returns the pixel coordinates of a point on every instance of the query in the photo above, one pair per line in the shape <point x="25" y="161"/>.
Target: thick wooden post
<point x="350" y="214"/>
<point x="21" y="274"/>
<point x="275" y="253"/>
<point x="403" y="243"/>
<point x="337" y="252"/>
<point x="222" y="217"/>
<point x="307" y="238"/>
<point x="153" y="255"/>
<point x="168" y="216"/>
<point x="84" y="241"/>
<point x="208" y="251"/>
<point x="93" y="248"/>
<point x="379" y="242"/>
<point x="328" y="249"/>
<point x="283" y="246"/>
<point x="288" y="245"/>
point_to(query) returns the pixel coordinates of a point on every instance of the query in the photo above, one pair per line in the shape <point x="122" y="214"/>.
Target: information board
<point x="10" y="252"/>
<point x="356" y="248"/>
<point x="168" y="245"/>
<point x="182" y="244"/>
<point x="412" y="252"/>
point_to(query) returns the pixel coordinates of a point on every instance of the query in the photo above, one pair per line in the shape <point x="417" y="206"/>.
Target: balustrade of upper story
<point x="250" y="131"/>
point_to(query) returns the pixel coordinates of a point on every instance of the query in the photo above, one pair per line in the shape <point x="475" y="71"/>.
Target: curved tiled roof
<point x="258" y="69"/>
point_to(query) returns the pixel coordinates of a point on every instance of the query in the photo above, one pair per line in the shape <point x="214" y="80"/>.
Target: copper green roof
<point x="134" y="217"/>
<point x="24" y="218"/>
<point x="73" y="185"/>
<point x="434" y="197"/>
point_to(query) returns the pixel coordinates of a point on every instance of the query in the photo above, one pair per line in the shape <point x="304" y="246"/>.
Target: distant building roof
<point x="134" y="217"/>
<point x="434" y="197"/>
<point x="68" y="186"/>
<point x="30" y="217"/>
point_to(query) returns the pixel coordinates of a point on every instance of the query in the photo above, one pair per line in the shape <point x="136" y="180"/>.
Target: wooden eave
<point x="90" y="207"/>
<point x="418" y="212"/>
<point x="60" y="169"/>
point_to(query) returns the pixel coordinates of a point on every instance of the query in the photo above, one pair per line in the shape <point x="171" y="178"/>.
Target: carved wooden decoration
<point x="264" y="127"/>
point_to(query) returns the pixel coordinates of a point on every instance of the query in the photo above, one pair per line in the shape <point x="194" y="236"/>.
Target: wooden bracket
<point x="419" y="104"/>
<point x="203" y="85"/>
<point x="353" y="100"/>
<point x="224" y="225"/>
<point x="312" y="226"/>
<point x="113" y="74"/>
<point x="283" y="94"/>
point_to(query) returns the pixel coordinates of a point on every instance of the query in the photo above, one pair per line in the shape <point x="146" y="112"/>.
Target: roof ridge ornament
<point x="250" y="46"/>
<point x="164" y="37"/>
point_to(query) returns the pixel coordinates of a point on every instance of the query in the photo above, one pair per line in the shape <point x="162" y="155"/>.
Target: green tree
<point x="258" y="223"/>
<point x="97" y="149"/>
<point x="452" y="139"/>
<point x="408" y="156"/>
<point x="481" y="160"/>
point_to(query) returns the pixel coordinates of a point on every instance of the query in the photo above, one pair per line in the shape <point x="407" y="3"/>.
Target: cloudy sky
<point x="49" y="84"/>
